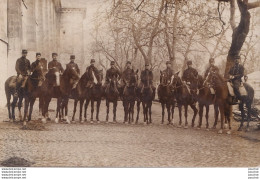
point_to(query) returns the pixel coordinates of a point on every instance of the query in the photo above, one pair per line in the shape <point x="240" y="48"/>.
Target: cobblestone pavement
<point x="119" y="145"/>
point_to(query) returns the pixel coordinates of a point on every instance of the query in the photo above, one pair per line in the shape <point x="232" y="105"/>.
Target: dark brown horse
<point x="145" y="96"/>
<point x="33" y="90"/>
<point x="10" y="91"/>
<point x="184" y="98"/>
<point x="111" y="95"/>
<point x="94" y="94"/>
<point x="129" y="97"/>
<point x="166" y="96"/>
<point x="219" y="84"/>
<point x="61" y="92"/>
<point x="205" y="99"/>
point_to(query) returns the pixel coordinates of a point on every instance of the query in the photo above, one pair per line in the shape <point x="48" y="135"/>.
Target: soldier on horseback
<point x="188" y="77"/>
<point x="169" y="71"/>
<point x="211" y="68"/>
<point x="126" y="75"/>
<point x="92" y="74"/>
<point x="147" y="74"/>
<point x="36" y="62"/>
<point x="55" y="65"/>
<point x="236" y="73"/>
<point x="111" y="73"/>
<point x="22" y="68"/>
<point x="72" y="64"/>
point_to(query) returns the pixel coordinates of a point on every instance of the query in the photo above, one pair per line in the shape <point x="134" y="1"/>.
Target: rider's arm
<point x="17" y="67"/>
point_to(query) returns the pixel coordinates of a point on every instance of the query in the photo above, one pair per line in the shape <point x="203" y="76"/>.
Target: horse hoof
<point x="220" y="131"/>
<point x="81" y="121"/>
<point x="98" y="122"/>
<point x="198" y="128"/>
<point x="228" y="132"/>
<point x="91" y="122"/>
<point x="107" y="122"/>
<point x="225" y="126"/>
<point x="214" y="127"/>
<point x="207" y="129"/>
<point x="24" y="123"/>
<point x="247" y="129"/>
<point x="43" y="120"/>
<point x="73" y="121"/>
<point x="68" y="121"/>
<point x="56" y="120"/>
<point x="179" y="126"/>
<point x="186" y="127"/>
<point x="114" y="121"/>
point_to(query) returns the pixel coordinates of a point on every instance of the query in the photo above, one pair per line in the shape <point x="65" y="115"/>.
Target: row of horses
<point x="171" y="92"/>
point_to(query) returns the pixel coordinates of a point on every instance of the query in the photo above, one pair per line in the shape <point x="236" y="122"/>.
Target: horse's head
<point x="71" y="73"/>
<point x="176" y="80"/>
<point x="38" y="72"/>
<point x="200" y="81"/>
<point x="101" y="74"/>
<point x="164" y="80"/>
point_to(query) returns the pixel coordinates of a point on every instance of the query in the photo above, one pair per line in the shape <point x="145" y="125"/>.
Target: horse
<point x="145" y="95"/>
<point x="111" y="94"/>
<point x="183" y="98"/>
<point x="205" y="99"/>
<point x="166" y="97"/>
<point x="12" y="91"/>
<point x="94" y="94"/>
<point x="224" y="101"/>
<point x="33" y="90"/>
<point x="61" y="92"/>
<point x="129" y="97"/>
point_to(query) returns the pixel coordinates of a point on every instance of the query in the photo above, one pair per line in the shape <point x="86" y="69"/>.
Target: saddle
<point x="242" y="91"/>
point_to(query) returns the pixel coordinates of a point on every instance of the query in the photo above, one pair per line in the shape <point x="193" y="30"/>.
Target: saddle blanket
<point x="241" y="89"/>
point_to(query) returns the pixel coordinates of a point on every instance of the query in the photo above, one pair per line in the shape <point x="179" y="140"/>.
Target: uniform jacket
<point x="212" y="68"/>
<point x="22" y="66"/>
<point x="126" y="76"/>
<point x="169" y="72"/>
<point x="189" y="74"/>
<point x="112" y="72"/>
<point x="56" y="64"/>
<point x="89" y="71"/>
<point x="73" y="64"/>
<point x="237" y="71"/>
<point x="147" y="74"/>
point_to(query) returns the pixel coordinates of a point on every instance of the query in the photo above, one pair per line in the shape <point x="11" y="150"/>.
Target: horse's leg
<point x="114" y="110"/>
<point x="207" y="116"/>
<point x="241" y="108"/>
<point x="186" y="116"/>
<point x="216" y="111"/>
<point x="47" y="101"/>
<point x="75" y="109"/>
<point x="26" y="106"/>
<point x="15" y="99"/>
<point x="66" y="103"/>
<point x="163" y="108"/>
<point x="107" y="104"/>
<point x="200" y="114"/>
<point x="168" y="106"/>
<point x="248" y="105"/>
<point x="8" y="99"/>
<point x="32" y="101"/>
<point x="58" y="110"/>
<point x="20" y="101"/>
<point x="132" y="104"/>
<point x="180" y="114"/>
<point x="144" y="111"/>
<point x="125" y="111"/>
<point x="150" y="112"/>
<point x="138" y="110"/>
<point x="195" y="111"/>
<point x="85" y="109"/>
<point x="92" y="110"/>
<point x="81" y="102"/>
<point x="98" y="107"/>
<point x="222" y="114"/>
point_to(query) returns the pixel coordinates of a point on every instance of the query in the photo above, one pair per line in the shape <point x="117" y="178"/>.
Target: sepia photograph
<point x="129" y="84"/>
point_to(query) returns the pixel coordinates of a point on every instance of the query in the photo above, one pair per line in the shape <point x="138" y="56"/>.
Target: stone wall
<point x="3" y="49"/>
<point x="72" y="35"/>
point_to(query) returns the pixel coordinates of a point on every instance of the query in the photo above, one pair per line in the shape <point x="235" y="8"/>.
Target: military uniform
<point x="211" y="68"/>
<point x="92" y="70"/>
<point x="55" y="64"/>
<point x="237" y="71"/>
<point x="23" y="69"/>
<point x="73" y="65"/>
<point x="112" y="73"/>
<point x="169" y="72"/>
<point x="126" y="76"/>
<point x="146" y="75"/>
<point x="189" y="74"/>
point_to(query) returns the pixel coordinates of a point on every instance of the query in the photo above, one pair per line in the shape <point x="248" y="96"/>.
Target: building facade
<point x="38" y="26"/>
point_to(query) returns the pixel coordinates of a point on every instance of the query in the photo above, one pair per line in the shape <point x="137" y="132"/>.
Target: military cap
<point x="54" y="54"/>
<point x="24" y="51"/>
<point x="189" y="62"/>
<point x="128" y="62"/>
<point x="168" y="62"/>
<point x="112" y="62"/>
<point x="38" y="54"/>
<point x="92" y="61"/>
<point x="72" y="57"/>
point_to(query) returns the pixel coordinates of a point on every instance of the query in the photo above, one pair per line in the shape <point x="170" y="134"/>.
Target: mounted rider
<point x="188" y="77"/>
<point x="168" y="71"/>
<point x="147" y="74"/>
<point x="57" y="67"/>
<point x="236" y="73"/>
<point x="92" y="74"/>
<point x="211" y="69"/>
<point x="72" y="64"/>
<point x="23" y="69"/>
<point x="111" y="73"/>
<point x="126" y="75"/>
